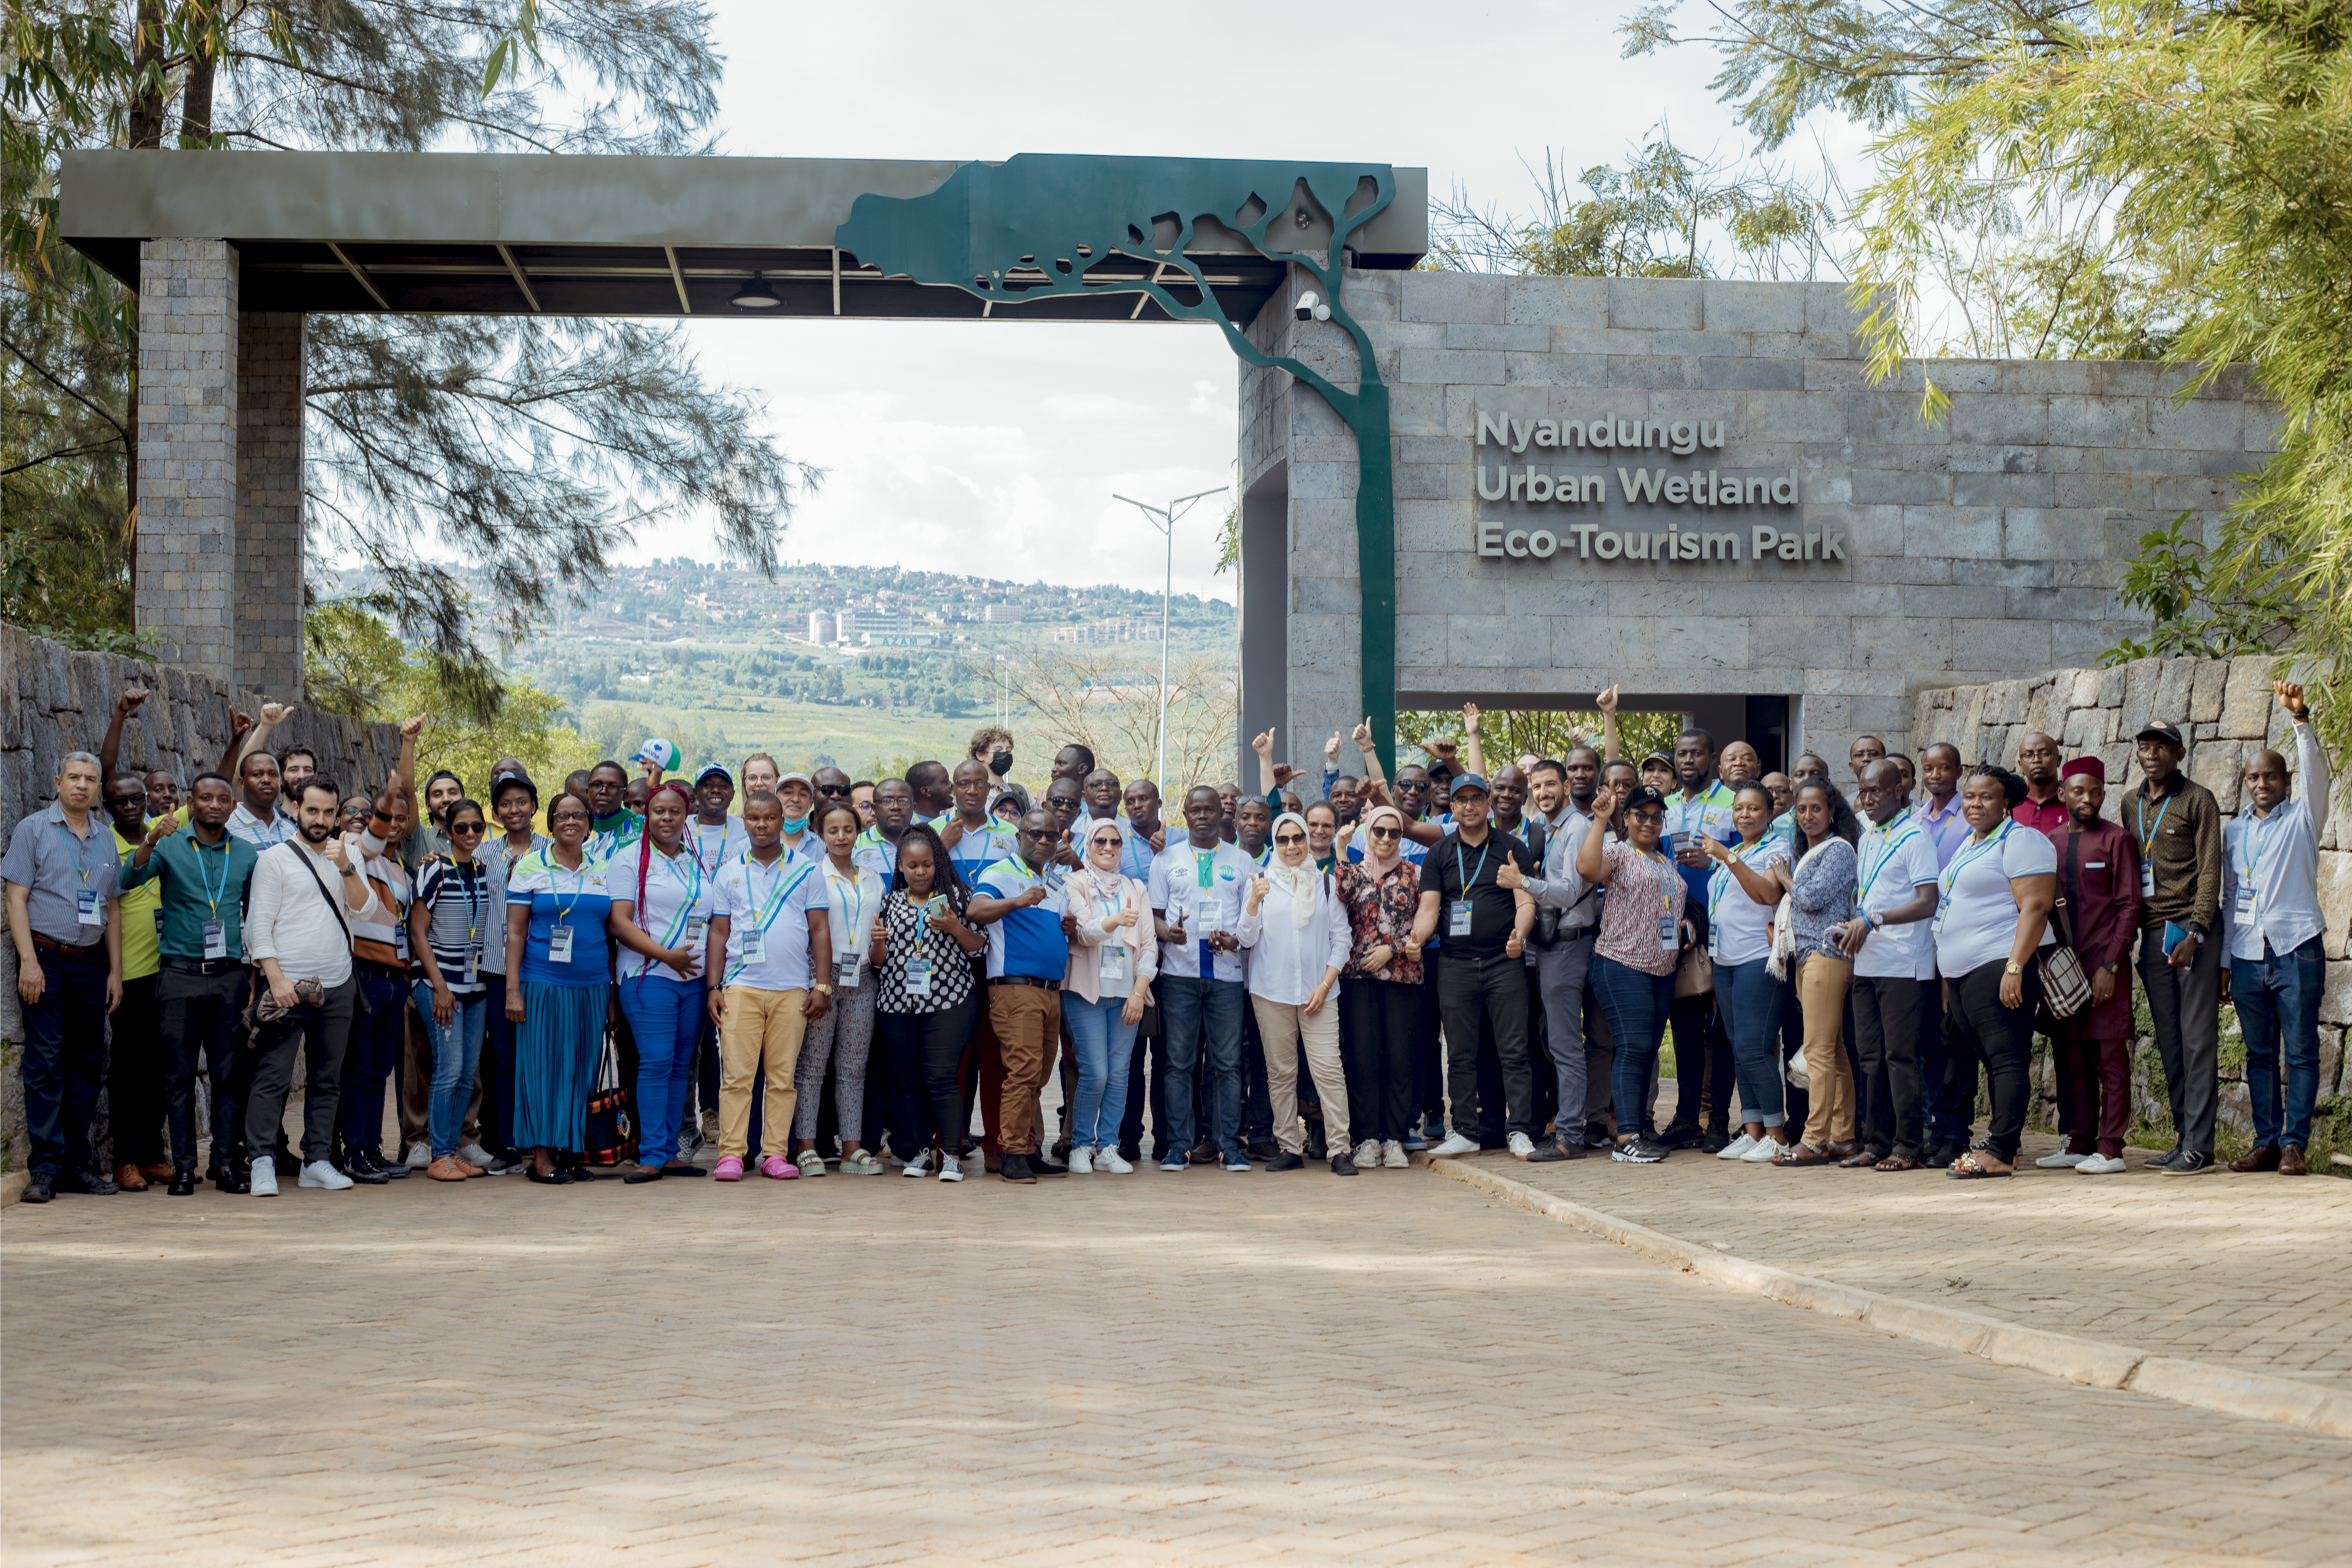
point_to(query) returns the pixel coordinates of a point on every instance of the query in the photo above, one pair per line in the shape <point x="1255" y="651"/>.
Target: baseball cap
<point x="663" y="755"/>
<point x="1659" y="757"/>
<point x="2160" y="730"/>
<point x="801" y="779"/>
<point x="713" y="770"/>
<point x="1471" y="781"/>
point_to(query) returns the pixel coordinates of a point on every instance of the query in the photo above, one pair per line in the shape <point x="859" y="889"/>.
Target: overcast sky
<point x="994" y="448"/>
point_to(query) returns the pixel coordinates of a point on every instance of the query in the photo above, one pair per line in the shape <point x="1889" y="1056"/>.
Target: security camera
<point x="1310" y="309"/>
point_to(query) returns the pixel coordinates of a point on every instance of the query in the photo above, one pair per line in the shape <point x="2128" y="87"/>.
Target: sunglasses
<point x="468" y="827"/>
<point x="1290" y="839"/>
<point x="833" y="792"/>
<point x="1383" y="832"/>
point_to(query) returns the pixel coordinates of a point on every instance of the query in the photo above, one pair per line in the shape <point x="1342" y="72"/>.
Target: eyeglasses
<point x="1290" y="839"/>
<point x="567" y="816"/>
<point x="1384" y="832"/>
<point x="833" y="792"/>
<point x="455" y="827"/>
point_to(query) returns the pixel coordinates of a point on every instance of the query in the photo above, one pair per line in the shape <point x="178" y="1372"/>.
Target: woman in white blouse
<point x="1105" y="992"/>
<point x="847" y="1030"/>
<point x="1740" y="896"/>
<point x="1297" y="933"/>
<point x="1991" y="921"/>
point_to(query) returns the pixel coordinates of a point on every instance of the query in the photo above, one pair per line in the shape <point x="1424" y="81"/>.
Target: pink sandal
<point x="779" y="1168"/>
<point x="730" y="1168"/>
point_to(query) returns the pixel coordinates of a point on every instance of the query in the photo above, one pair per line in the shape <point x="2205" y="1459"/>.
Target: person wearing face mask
<point x="1741" y="893"/>
<point x="2098" y="878"/>
<point x="2273" y="926"/>
<point x="664" y="994"/>
<point x="1641" y="936"/>
<point x="1113" y="959"/>
<point x="1296" y="929"/>
<point x="1894" y="893"/>
<point x="846" y="1034"/>
<point x="797" y="796"/>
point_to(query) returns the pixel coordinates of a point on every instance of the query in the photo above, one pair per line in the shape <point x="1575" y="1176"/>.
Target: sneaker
<point x="776" y="1168"/>
<point x="1174" y="1163"/>
<point x="1367" y="1153"/>
<point x="1640" y="1152"/>
<point x="1521" y="1146"/>
<point x="920" y="1166"/>
<point x="1455" y="1144"/>
<point x="1392" y="1156"/>
<point x="1736" y="1148"/>
<point x="689" y="1139"/>
<point x="1551" y="1151"/>
<point x="809" y="1163"/>
<point x="730" y="1168"/>
<point x="2061" y="1160"/>
<point x="2190" y="1163"/>
<point x="2164" y="1161"/>
<point x="2099" y="1165"/>
<point x="419" y="1156"/>
<point x="950" y="1168"/>
<point x="321" y="1173"/>
<point x="504" y="1164"/>
<point x="1082" y="1160"/>
<point x="264" y="1180"/>
<point x="476" y="1155"/>
<point x="1767" y="1148"/>
<point x="1237" y="1163"/>
<point x="1415" y="1141"/>
<point x="892" y="1158"/>
<point x="1109" y="1158"/>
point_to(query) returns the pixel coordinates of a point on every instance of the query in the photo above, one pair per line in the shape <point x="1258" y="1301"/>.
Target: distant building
<point x="822" y="627"/>
<point x="997" y="614"/>
<point x="1109" y="631"/>
<point x="852" y="625"/>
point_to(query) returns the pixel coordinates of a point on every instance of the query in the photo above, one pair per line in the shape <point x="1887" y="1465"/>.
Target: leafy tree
<point x="529" y="447"/>
<point x="1507" y="734"/>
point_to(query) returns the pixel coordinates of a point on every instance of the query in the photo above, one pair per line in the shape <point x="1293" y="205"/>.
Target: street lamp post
<point x="1164" y="520"/>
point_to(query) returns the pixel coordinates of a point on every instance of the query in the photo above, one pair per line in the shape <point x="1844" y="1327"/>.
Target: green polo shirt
<point x="200" y="883"/>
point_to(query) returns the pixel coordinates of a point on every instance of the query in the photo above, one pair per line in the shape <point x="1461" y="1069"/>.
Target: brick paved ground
<point x="2222" y="1268"/>
<point x="1195" y="1369"/>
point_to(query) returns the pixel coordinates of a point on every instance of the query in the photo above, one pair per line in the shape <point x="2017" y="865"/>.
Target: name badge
<point x="755" y="945"/>
<point x="1112" y="967"/>
<point x="1667" y="936"/>
<point x="159" y="922"/>
<point x="473" y="962"/>
<point x="1458" y="924"/>
<point x="559" y="945"/>
<point x="1714" y="942"/>
<point x="2094" y="865"/>
<point x="87" y="906"/>
<point x="2245" y="902"/>
<point x="215" y="940"/>
<point x="2147" y="879"/>
<point x="844" y="973"/>
<point x="918" y="977"/>
<point x="696" y="926"/>
<point x="400" y="941"/>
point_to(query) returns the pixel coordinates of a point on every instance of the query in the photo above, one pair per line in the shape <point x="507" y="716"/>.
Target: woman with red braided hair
<point x="668" y="903"/>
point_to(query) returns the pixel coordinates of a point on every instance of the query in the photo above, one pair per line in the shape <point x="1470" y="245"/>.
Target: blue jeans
<point x="65" y="1058"/>
<point x="666" y="1016"/>
<point x="1636" y="1004"/>
<point x="1753" y="1003"/>
<point x="457" y="1054"/>
<point x="1198" y="1013"/>
<point x="2277" y="998"/>
<point x="1102" y="1038"/>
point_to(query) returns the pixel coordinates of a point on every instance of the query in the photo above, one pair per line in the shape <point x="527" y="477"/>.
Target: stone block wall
<point x="270" y="382"/>
<point x="54" y="700"/>
<point x="188" y="386"/>
<point x="2226" y="709"/>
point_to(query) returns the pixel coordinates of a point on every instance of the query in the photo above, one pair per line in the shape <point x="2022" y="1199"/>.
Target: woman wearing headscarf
<point x="1103" y="996"/>
<point x="1297" y="931"/>
<point x="1382" y="999"/>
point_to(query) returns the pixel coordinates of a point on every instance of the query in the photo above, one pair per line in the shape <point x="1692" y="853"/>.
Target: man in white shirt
<point x="2271" y="927"/>
<point x="1196" y="889"/>
<point x="306" y="894"/>
<point x="1895" y="894"/>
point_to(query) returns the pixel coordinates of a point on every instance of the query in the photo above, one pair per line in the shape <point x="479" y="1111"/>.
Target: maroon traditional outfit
<point x="2098" y="876"/>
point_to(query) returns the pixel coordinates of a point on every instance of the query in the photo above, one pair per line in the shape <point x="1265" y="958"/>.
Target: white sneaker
<point x="475" y="1154"/>
<point x="419" y="1156"/>
<point x="950" y="1168"/>
<point x="1392" y="1156"/>
<point x="2097" y="1166"/>
<point x="319" y="1173"/>
<point x="264" y="1176"/>
<point x="1520" y="1145"/>
<point x="1106" y="1159"/>
<point x="920" y="1166"/>
<point x="1736" y="1148"/>
<point x="2061" y="1160"/>
<point x="1765" y="1148"/>
<point x="1367" y="1154"/>
<point x="1457" y="1144"/>
<point x="1082" y="1163"/>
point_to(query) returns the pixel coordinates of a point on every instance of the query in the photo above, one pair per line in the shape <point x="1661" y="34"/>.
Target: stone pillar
<point x="1266" y="630"/>
<point x="268" y="598"/>
<point x="187" y="450"/>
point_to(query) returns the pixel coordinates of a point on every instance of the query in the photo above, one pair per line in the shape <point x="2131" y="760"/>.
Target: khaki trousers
<point x="760" y="1029"/>
<point x="1822" y="985"/>
<point x="1027" y="1020"/>
<point x="1283" y="1026"/>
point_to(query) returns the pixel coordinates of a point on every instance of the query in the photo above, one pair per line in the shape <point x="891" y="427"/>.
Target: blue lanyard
<point x="716" y="861"/>
<point x="1725" y="876"/>
<point x="2146" y="834"/>
<point x="2255" y="834"/>
<point x="563" y="914"/>
<point x="1486" y="849"/>
<point x="82" y="846"/>
<point x="204" y="880"/>
<point x="778" y="889"/>
<point x="1871" y="880"/>
<point x="853" y="886"/>
<point x="1968" y="857"/>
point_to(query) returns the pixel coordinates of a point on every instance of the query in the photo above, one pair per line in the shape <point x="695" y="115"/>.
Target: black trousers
<point x="1545" y="1100"/>
<point x="134" y="1076"/>
<point x="1886" y="1030"/>
<point x="929" y="1055"/>
<point x="1376" y="1046"/>
<point x="1472" y="992"/>
<point x="201" y="1012"/>
<point x="498" y="1068"/>
<point x="1702" y="1068"/>
<point x="64" y="1059"/>
<point x="2002" y="1038"/>
<point x="1146" y="1083"/>
<point x="327" y="1031"/>
<point x="1428" y="1046"/>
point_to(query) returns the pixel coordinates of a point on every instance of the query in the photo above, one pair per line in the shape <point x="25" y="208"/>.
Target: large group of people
<point x="621" y="975"/>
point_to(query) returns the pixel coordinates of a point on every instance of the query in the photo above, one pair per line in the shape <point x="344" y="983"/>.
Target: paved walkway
<point x="2249" y="1271"/>
<point x="1193" y="1369"/>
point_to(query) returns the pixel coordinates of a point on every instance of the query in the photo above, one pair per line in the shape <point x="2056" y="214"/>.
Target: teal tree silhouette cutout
<point x="1040" y="226"/>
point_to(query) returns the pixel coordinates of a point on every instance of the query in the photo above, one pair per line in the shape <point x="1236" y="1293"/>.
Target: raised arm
<point x="1473" y="753"/>
<point x="1607" y="702"/>
<point x="272" y="714"/>
<point x="2313" y="780"/>
<point x="110" y="750"/>
<point x="1593" y="856"/>
<point x="1267" y="784"/>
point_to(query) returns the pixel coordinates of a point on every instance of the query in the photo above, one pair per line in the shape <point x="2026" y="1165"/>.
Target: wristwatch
<point x="825" y="989"/>
<point x="2012" y="967"/>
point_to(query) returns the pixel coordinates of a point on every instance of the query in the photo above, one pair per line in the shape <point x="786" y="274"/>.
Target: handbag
<point x="2065" y="989"/>
<point x="612" y="1131"/>
<point x="1695" y="976"/>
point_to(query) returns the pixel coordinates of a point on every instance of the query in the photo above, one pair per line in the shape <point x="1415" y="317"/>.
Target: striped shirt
<point x="466" y="916"/>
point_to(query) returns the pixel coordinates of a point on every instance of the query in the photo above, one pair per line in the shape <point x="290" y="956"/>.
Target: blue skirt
<point x="556" y="1048"/>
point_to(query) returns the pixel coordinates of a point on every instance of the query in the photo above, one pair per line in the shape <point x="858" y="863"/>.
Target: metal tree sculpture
<point x="1040" y="226"/>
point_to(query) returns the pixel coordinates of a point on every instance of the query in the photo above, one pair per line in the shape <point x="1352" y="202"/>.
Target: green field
<point x="864" y="741"/>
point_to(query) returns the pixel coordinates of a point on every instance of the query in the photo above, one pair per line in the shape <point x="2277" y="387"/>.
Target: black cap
<point x="2160" y="731"/>
<point x="1645" y="794"/>
<point x="500" y="781"/>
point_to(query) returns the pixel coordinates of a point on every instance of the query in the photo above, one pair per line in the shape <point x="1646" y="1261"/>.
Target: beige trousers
<point x="759" y="1029"/>
<point x="1282" y="1027"/>
<point x="1821" y="985"/>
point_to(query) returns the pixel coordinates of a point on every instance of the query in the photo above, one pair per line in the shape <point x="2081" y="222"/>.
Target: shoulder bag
<point x="2065" y="989"/>
<point x="612" y="1132"/>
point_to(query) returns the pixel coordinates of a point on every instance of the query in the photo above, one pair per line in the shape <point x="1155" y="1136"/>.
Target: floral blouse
<point x="905" y="933"/>
<point x="1381" y="911"/>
